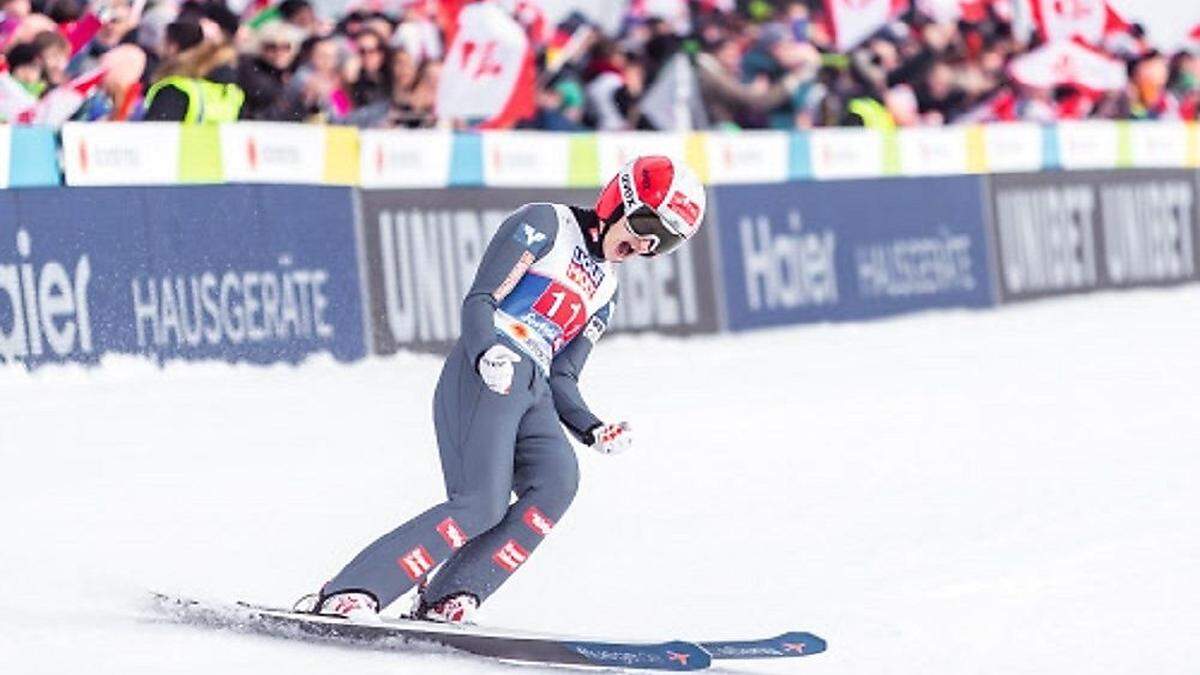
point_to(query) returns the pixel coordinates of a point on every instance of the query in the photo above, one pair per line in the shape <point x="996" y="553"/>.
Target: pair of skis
<point x="403" y="634"/>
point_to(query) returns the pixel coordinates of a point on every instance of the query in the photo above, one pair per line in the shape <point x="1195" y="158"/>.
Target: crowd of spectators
<point x="756" y="64"/>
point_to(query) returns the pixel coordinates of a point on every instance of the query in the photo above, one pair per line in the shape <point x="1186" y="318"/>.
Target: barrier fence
<point x="274" y="272"/>
<point x="260" y="152"/>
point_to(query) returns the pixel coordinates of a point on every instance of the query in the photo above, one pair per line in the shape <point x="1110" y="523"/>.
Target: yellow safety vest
<point x="207" y="101"/>
<point x="873" y="113"/>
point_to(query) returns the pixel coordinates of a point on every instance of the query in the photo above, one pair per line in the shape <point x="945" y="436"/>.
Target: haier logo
<point x="789" y="269"/>
<point x="43" y="309"/>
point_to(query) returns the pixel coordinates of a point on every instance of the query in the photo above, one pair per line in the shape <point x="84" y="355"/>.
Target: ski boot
<point x="456" y="608"/>
<point x="352" y="605"/>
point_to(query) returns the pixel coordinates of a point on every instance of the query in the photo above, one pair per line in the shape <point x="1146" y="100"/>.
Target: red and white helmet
<point x="662" y="200"/>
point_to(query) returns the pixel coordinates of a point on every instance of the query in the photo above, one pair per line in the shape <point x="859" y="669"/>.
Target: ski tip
<point x="802" y="642"/>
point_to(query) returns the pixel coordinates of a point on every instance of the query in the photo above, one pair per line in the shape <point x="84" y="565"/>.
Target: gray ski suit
<point x="542" y="290"/>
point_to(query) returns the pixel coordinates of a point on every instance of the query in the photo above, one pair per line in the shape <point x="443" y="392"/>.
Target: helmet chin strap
<point x="594" y="228"/>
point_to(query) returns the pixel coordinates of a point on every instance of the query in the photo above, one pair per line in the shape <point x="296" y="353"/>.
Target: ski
<point x="785" y="645"/>
<point x="403" y="634"/>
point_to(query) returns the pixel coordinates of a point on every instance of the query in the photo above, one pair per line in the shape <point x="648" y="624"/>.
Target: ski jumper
<point x="543" y="290"/>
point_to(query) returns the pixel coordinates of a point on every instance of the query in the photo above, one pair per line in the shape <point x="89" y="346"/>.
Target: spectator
<point x="756" y="64"/>
<point x="405" y="73"/>
<point x="1148" y="96"/>
<point x="197" y="81"/>
<point x="25" y="66"/>
<point x="321" y="79"/>
<point x="16" y="9"/>
<point x="381" y="25"/>
<point x="938" y="96"/>
<point x="63" y="11"/>
<point x="374" y="81"/>
<point x="264" y="75"/>
<point x="300" y="14"/>
<point x="1185" y="83"/>
<point x="559" y="106"/>
<point x="150" y="37"/>
<point x="116" y="23"/>
<point x="419" y="34"/>
<point x="424" y="100"/>
<point x="414" y="91"/>
<point x="55" y="54"/>
<point x="777" y="61"/>
<point x="614" y="83"/>
<point x="729" y="101"/>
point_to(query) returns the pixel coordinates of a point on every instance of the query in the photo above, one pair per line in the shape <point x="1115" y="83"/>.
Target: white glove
<point x="610" y="439"/>
<point x="496" y="368"/>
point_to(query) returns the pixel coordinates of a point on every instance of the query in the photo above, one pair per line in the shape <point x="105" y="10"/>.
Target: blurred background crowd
<point x="665" y="64"/>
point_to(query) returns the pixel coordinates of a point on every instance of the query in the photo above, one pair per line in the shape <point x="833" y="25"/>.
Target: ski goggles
<point x="644" y="223"/>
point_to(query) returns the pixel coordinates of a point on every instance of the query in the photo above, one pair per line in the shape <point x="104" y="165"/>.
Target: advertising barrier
<point x="153" y="153"/>
<point x="238" y="273"/>
<point x="28" y="156"/>
<point x="421" y="249"/>
<point x="165" y="153"/>
<point x="844" y="250"/>
<point x="1071" y="232"/>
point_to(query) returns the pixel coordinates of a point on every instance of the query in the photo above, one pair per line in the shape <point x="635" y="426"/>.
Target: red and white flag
<point x="852" y="21"/>
<point x="950" y="11"/>
<point x="1087" y="20"/>
<point x="54" y="108"/>
<point x="488" y="72"/>
<point x="1066" y="62"/>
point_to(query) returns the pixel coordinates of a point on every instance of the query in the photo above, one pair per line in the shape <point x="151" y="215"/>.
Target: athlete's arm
<point x="525" y="236"/>
<point x="564" y="377"/>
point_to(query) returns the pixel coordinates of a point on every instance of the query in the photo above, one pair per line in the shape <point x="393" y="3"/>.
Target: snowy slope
<point x="1004" y="492"/>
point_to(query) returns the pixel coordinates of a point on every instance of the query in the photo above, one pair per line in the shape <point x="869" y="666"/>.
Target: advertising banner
<point x="1013" y="146"/>
<point x="1089" y="144"/>
<point x="236" y="273"/>
<point x="422" y="248"/>
<point x="846" y="153"/>
<point x="116" y="153"/>
<point x="266" y="152"/>
<point x="524" y="158"/>
<point x="933" y="151"/>
<point x="843" y="250"/>
<point x="747" y="156"/>
<point x="615" y="148"/>
<point x="32" y="158"/>
<point x="1071" y="232"/>
<point x="1159" y="144"/>
<point x="5" y="154"/>
<point x="409" y="158"/>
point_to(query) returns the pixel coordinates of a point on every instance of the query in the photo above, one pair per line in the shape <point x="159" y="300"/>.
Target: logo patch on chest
<point x="585" y="272"/>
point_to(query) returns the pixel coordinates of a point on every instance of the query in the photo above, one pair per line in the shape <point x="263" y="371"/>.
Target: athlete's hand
<point x="611" y="439"/>
<point x="496" y="368"/>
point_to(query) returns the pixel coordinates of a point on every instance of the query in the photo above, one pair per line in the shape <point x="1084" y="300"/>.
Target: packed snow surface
<point x="966" y="492"/>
